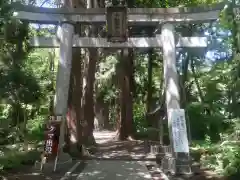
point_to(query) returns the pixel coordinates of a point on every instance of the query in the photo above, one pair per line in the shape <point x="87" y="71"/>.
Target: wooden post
<point x="171" y="83"/>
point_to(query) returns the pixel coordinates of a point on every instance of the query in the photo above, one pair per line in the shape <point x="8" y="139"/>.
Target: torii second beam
<point x="86" y="42"/>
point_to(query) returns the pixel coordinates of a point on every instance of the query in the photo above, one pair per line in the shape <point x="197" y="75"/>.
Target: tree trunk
<point x="152" y="120"/>
<point x="106" y="124"/>
<point x="88" y="101"/>
<point x="73" y="136"/>
<point x="149" y="85"/>
<point x="125" y="75"/>
<point x="51" y="56"/>
<point x="74" y="100"/>
<point x="122" y="128"/>
<point x="184" y="78"/>
<point x="201" y="96"/>
<point x="129" y="92"/>
<point x="118" y="115"/>
<point x="102" y="113"/>
<point x="121" y="108"/>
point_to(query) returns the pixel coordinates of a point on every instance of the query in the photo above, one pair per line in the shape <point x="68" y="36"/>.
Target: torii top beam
<point x="135" y="15"/>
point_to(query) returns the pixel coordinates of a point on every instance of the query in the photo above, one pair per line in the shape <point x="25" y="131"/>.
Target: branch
<point x="43" y="3"/>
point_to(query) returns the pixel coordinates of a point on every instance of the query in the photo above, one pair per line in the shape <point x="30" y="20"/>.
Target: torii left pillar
<point x="65" y="36"/>
<point x="176" y="116"/>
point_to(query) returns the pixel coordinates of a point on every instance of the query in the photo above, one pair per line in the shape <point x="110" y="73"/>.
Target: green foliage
<point x="25" y="97"/>
<point x="139" y="117"/>
<point x="223" y="157"/>
<point x="24" y="93"/>
<point x="232" y="170"/>
<point x="35" y="127"/>
<point x="13" y="157"/>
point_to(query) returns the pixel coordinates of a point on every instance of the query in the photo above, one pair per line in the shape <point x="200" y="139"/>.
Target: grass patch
<point x="14" y="156"/>
<point x="223" y="157"/>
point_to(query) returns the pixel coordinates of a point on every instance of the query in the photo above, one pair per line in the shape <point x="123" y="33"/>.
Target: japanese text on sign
<point x="49" y="141"/>
<point x="179" y="130"/>
<point x="117" y="23"/>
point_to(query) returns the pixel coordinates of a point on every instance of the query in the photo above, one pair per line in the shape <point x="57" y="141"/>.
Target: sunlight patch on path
<point x="103" y="136"/>
<point x="114" y="170"/>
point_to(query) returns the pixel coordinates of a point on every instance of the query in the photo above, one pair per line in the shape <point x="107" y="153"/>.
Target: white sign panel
<point x="179" y="130"/>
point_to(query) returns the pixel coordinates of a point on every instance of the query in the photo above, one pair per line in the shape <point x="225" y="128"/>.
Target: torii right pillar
<point x="176" y="116"/>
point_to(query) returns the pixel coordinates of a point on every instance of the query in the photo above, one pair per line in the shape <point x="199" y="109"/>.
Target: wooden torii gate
<point x="163" y="18"/>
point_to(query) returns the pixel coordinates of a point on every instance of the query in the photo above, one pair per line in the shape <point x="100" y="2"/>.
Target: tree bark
<point x="51" y="56"/>
<point x="73" y="136"/>
<point x="129" y="92"/>
<point x="126" y="81"/>
<point x="183" y="80"/>
<point x="149" y="85"/>
<point x="88" y="101"/>
<point x="201" y="96"/>
<point x="122" y="128"/>
<point x="102" y="113"/>
<point x="152" y="119"/>
<point x="74" y="100"/>
<point x="118" y="115"/>
<point x="106" y="124"/>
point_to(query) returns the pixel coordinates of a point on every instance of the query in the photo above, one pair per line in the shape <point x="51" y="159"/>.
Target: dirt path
<point x="104" y="136"/>
<point x="109" y="162"/>
<point x="110" y="149"/>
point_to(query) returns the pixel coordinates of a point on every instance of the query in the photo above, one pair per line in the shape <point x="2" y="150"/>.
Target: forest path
<point x="110" y="149"/>
<point x="113" y="160"/>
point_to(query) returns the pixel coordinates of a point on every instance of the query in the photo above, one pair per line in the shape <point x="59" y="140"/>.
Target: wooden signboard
<point x="51" y="142"/>
<point x="179" y="130"/>
<point x="117" y="23"/>
<point x="52" y="134"/>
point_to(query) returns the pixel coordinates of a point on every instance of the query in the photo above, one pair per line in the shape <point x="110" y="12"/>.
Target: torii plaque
<point x="116" y="23"/>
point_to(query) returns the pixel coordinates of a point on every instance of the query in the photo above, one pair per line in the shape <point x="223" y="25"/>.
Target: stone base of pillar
<point x="180" y="164"/>
<point x="168" y="165"/>
<point x="183" y="164"/>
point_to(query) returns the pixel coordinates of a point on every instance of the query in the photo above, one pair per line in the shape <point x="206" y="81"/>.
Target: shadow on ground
<point x="117" y="170"/>
<point x="110" y="149"/>
<point x="31" y="173"/>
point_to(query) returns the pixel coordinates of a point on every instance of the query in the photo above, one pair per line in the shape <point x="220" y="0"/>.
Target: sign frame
<point x="52" y="133"/>
<point x="111" y="23"/>
<point x="178" y="130"/>
<point x="51" y="138"/>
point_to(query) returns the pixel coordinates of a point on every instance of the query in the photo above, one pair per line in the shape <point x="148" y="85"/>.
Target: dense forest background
<point x="209" y="88"/>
